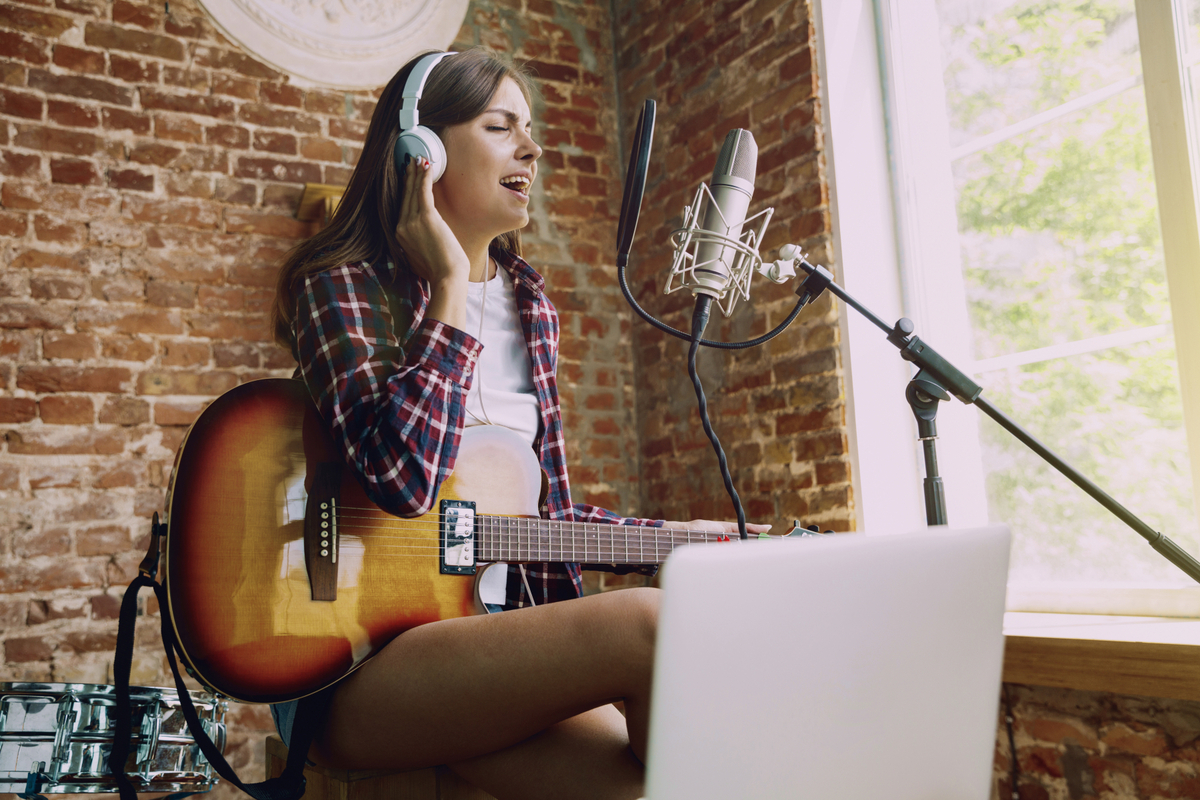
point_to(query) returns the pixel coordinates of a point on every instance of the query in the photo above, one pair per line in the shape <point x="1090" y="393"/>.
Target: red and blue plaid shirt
<point x="393" y="385"/>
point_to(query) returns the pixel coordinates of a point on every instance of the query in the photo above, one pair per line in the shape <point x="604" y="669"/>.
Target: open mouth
<point x="516" y="183"/>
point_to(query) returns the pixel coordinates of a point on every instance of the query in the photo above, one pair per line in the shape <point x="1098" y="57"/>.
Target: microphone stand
<point x="935" y="381"/>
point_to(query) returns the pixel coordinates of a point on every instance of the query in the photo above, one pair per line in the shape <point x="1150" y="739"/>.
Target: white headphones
<point x="415" y="139"/>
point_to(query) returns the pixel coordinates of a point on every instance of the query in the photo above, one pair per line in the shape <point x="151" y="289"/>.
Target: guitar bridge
<point x="321" y="533"/>
<point x="457" y="545"/>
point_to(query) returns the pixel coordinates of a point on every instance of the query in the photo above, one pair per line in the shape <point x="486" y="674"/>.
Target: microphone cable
<point x="699" y="323"/>
<point x="623" y="260"/>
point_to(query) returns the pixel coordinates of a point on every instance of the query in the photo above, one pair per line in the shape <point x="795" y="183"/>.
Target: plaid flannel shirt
<point x="393" y="386"/>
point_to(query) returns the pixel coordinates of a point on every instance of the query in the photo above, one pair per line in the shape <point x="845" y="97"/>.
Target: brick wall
<point x="1073" y="744"/>
<point x="150" y="174"/>
<point x="778" y="409"/>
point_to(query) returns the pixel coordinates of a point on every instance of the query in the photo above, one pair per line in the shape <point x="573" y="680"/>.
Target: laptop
<point x="842" y="667"/>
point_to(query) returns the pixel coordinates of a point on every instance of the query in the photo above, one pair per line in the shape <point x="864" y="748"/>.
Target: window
<point x="1042" y="239"/>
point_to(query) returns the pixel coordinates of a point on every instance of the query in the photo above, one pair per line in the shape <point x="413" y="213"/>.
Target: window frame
<point x="896" y="247"/>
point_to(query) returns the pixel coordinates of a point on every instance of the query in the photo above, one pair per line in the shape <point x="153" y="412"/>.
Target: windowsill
<point x="1151" y="656"/>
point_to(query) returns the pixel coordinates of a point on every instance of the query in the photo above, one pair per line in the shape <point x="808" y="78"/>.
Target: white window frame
<point x="896" y="249"/>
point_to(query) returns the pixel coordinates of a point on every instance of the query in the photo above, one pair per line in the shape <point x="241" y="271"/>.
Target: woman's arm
<point x="397" y="417"/>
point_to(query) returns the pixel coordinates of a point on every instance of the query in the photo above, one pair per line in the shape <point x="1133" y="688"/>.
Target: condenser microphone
<point x="732" y="186"/>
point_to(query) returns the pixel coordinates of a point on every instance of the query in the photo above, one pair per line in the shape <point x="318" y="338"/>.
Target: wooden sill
<point x="1150" y="656"/>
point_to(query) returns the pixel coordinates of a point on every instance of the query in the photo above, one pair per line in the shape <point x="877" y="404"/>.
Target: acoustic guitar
<point x="282" y="577"/>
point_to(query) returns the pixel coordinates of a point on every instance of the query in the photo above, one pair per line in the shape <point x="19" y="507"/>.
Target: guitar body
<point x="238" y="586"/>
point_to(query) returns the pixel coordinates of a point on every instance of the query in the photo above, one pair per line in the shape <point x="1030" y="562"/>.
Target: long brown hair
<point x="458" y="90"/>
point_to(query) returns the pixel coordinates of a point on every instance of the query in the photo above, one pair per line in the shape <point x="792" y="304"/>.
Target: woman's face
<point x="491" y="163"/>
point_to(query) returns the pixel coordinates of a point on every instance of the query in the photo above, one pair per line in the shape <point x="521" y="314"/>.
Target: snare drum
<point x="64" y="731"/>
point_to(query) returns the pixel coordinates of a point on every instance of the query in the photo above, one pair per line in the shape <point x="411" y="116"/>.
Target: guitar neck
<point x="528" y="539"/>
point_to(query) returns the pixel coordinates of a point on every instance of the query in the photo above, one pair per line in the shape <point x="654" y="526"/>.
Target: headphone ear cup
<point x="421" y="142"/>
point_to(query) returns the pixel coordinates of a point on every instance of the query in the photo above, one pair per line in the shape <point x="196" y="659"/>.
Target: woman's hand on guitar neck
<point x="711" y="526"/>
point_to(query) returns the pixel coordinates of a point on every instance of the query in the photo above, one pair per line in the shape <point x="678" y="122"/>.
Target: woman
<point x="385" y="310"/>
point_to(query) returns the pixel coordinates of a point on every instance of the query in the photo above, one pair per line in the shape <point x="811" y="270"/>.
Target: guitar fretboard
<point x="517" y="539"/>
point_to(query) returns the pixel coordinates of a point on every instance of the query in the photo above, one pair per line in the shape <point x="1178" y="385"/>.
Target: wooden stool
<point x="324" y="783"/>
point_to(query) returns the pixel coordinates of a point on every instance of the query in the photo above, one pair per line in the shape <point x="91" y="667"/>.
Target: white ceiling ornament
<point x="350" y="44"/>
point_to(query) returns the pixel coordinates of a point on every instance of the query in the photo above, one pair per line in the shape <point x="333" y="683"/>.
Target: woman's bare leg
<point x="507" y="695"/>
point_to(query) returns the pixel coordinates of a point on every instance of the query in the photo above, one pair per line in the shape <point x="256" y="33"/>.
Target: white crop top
<point x="502" y="391"/>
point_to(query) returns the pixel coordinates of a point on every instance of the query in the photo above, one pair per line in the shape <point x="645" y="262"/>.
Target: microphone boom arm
<point x="954" y="380"/>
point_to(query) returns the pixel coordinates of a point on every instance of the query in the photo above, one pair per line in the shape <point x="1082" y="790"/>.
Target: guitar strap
<point x="288" y="786"/>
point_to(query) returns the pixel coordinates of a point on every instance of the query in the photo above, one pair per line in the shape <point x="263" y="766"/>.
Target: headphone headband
<point x="414" y="86"/>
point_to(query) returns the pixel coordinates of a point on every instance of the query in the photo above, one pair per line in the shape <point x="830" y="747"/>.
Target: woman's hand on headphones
<point x="432" y="249"/>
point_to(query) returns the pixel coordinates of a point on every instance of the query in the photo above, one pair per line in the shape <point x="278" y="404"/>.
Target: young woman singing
<point x="412" y="316"/>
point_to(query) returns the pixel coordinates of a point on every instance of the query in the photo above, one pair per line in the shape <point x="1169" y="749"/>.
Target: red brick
<point x="186" y="78"/>
<point x="74" y="143"/>
<point x="74" y="346"/>
<point x="234" y="86"/>
<point x="57" y="287"/>
<point x="229" y="326"/>
<point x="222" y="298"/>
<point x="73" y="114"/>
<point x="119" y="119"/>
<point x="79" y="60"/>
<point x="143" y="16"/>
<point x="231" y="191"/>
<point x="185" y="353"/>
<point x="269" y="169"/>
<point x="281" y="94"/>
<point x="129" y="321"/>
<point x="36" y="22"/>
<point x="270" y="117"/>
<point x="177" y="413"/>
<point x="64" y="441"/>
<point x="67" y="410"/>
<point x="72" y="379"/>
<point x="228" y="136"/>
<point x="20" y="104"/>
<point x="347" y="129"/>
<point x="275" y="142"/>
<point x="233" y="61"/>
<point x="191" y="27"/>
<point x="179" y="129"/>
<point x="131" y="180"/>
<point x="13" y="224"/>
<point x="27" y="648"/>
<point x="236" y="354"/>
<point x="264" y="224"/>
<point x="50" y="229"/>
<point x="324" y="102"/>
<point x="102" y="541"/>
<point x="171" y="212"/>
<point x="160" y="155"/>
<point x="89" y="642"/>
<point x="123" y="348"/>
<point x="15" y="314"/>
<point x="157" y="100"/>
<point x="159" y="382"/>
<point x="125" y="411"/>
<point x="168" y="294"/>
<point x="17" y="409"/>
<point x="19" y="165"/>
<point x="132" y="70"/>
<point x="553" y="72"/>
<point x="74" y="171"/>
<point x="105" y="606"/>
<point x="81" y="86"/>
<point x="190" y="185"/>
<point x="112" y="37"/>
<point x="25" y="48"/>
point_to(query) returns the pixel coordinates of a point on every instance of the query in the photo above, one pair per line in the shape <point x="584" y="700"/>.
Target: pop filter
<point x="635" y="182"/>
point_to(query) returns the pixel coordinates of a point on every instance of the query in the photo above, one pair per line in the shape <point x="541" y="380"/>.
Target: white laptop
<point x="847" y="667"/>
